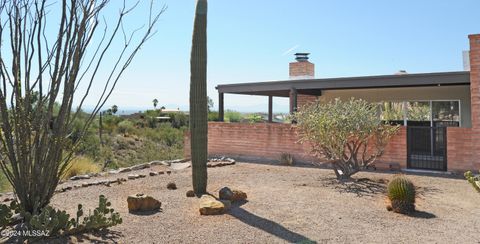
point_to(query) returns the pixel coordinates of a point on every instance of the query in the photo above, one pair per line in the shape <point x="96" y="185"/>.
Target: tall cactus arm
<point x="198" y="100"/>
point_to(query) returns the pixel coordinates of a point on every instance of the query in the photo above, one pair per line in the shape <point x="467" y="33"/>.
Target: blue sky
<point x="249" y="40"/>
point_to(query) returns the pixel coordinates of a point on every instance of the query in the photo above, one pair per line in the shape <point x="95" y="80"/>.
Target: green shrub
<point x="212" y="116"/>
<point x="254" y="118"/>
<point x="125" y="126"/>
<point x="232" y="116"/>
<point x="473" y="179"/>
<point x="4" y="184"/>
<point x="401" y="193"/>
<point x="5" y="216"/>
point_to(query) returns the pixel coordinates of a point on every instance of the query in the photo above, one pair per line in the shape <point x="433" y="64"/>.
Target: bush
<point x="255" y="118"/>
<point x="350" y="135"/>
<point x="81" y="165"/>
<point x="232" y="116"/>
<point x="125" y="126"/>
<point x="474" y="180"/>
<point x="401" y="193"/>
<point x="212" y="116"/>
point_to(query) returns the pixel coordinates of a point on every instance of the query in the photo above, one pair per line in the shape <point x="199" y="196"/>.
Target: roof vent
<point x="301" y="57"/>
<point x="401" y="72"/>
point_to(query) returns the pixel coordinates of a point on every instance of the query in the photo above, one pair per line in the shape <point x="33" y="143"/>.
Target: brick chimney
<point x="302" y="68"/>
<point x="475" y="79"/>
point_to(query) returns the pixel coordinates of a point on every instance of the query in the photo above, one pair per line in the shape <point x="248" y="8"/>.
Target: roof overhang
<point x="315" y="86"/>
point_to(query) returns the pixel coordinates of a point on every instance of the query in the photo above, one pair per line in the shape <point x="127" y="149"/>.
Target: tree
<point x="350" y="135"/>
<point x="155" y="102"/>
<point x="198" y="100"/>
<point x="114" y="109"/>
<point x="209" y="104"/>
<point x="51" y="68"/>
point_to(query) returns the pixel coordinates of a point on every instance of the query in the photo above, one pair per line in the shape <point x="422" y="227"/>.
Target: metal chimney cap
<point x="301" y="57"/>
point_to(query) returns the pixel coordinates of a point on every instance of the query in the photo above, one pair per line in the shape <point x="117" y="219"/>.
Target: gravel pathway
<point x="286" y="204"/>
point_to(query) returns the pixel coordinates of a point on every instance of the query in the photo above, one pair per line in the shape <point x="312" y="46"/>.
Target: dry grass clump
<point x="80" y="166"/>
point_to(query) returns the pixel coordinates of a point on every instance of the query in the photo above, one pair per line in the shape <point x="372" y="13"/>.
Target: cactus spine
<point x="198" y="99"/>
<point x="401" y="193"/>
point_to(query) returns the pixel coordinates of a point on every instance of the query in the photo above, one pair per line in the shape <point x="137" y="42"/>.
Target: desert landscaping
<point x="286" y="204"/>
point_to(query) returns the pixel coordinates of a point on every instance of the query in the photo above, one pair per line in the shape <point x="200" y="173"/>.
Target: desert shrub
<point x="401" y="193"/>
<point x="232" y="116"/>
<point x="254" y="118"/>
<point x="286" y="158"/>
<point x="350" y="135"/>
<point x="125" y="126"/>
<point x="178" y="120"/>
<point x="212" y="116"/>
<point x="82" y="165"/>
<point x="474" y="180"/>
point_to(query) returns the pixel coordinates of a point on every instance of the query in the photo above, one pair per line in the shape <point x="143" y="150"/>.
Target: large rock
<point x="232" y="195"/>
<point x="225" y="193"/>
<point x="142" y="202"/>
<point x="238" y="196"/>
<point x="211" y="206"/>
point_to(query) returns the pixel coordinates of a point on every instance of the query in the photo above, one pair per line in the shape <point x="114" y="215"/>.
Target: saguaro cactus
<point x="198" y="100"/>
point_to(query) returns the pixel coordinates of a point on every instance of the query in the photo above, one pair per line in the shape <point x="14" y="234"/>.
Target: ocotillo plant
<point x="198" y="99"/>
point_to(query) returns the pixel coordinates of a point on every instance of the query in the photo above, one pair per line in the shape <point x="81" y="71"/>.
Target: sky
<point x="254" y="40"/>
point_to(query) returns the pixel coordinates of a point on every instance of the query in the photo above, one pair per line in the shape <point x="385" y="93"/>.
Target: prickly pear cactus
<point x="401" y="193"/>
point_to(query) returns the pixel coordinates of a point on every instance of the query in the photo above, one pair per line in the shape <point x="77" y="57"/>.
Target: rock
<point x="113" y="171"/>
<point x="210" y="206"/>
<point x="180" y="166"/>
<point x="161" y="172"/>
<point x="190" y="193"/>
<point x="140" y="166"/>
<point x="121" y="180"/>
<point x="238" y="196"/>
<point x="86" y="184"/>
<point x="225" y="194"/>
<point x="133" y="177"/>
<point x="123" y="170"/>
<point x="142" y="202"/>
<point x="153" y="173"/>
<point x="171" y="186"/>
<point x="142" y="176"/>
<point x="169" y="172"/>
<point x="80" y="177"/>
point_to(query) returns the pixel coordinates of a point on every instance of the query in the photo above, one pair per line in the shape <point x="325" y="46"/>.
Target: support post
<point x="293" y="100"/>
<point x="270" y="109"/>
<point x="220" y="107"/>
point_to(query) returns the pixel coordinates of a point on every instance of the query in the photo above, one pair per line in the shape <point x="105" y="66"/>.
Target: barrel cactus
<point x="198" y="100"/>
<point x="401" y="193"/>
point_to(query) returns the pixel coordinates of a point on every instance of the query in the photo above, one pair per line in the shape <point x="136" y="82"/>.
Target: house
<point x="439" y="114"/>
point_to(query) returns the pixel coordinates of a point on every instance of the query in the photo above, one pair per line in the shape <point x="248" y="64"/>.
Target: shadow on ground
<point x="266" y="225"/>
<point x="422" y="215"/>
<point x="362" y="187"/>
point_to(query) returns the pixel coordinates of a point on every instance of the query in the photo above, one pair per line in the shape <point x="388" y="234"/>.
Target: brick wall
<point x="270" y="140"/>
<point x="305" y="99"/>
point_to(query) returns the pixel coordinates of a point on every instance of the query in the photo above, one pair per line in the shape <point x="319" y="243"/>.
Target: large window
<point x="421" y="113"/>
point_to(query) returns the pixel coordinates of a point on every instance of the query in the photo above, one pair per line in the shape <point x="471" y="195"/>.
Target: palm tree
<point x="198" y="100"/>
<point x="155" y="102"/>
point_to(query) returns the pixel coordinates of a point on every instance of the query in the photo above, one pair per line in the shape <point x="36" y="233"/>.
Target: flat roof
<point x="315" y="86"/>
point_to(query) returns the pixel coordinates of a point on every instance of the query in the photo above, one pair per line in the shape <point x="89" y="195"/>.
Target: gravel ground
<point x="286" y="204"/>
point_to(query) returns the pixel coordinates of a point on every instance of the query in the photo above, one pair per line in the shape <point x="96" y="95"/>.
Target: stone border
<point x="212" y="163"/>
